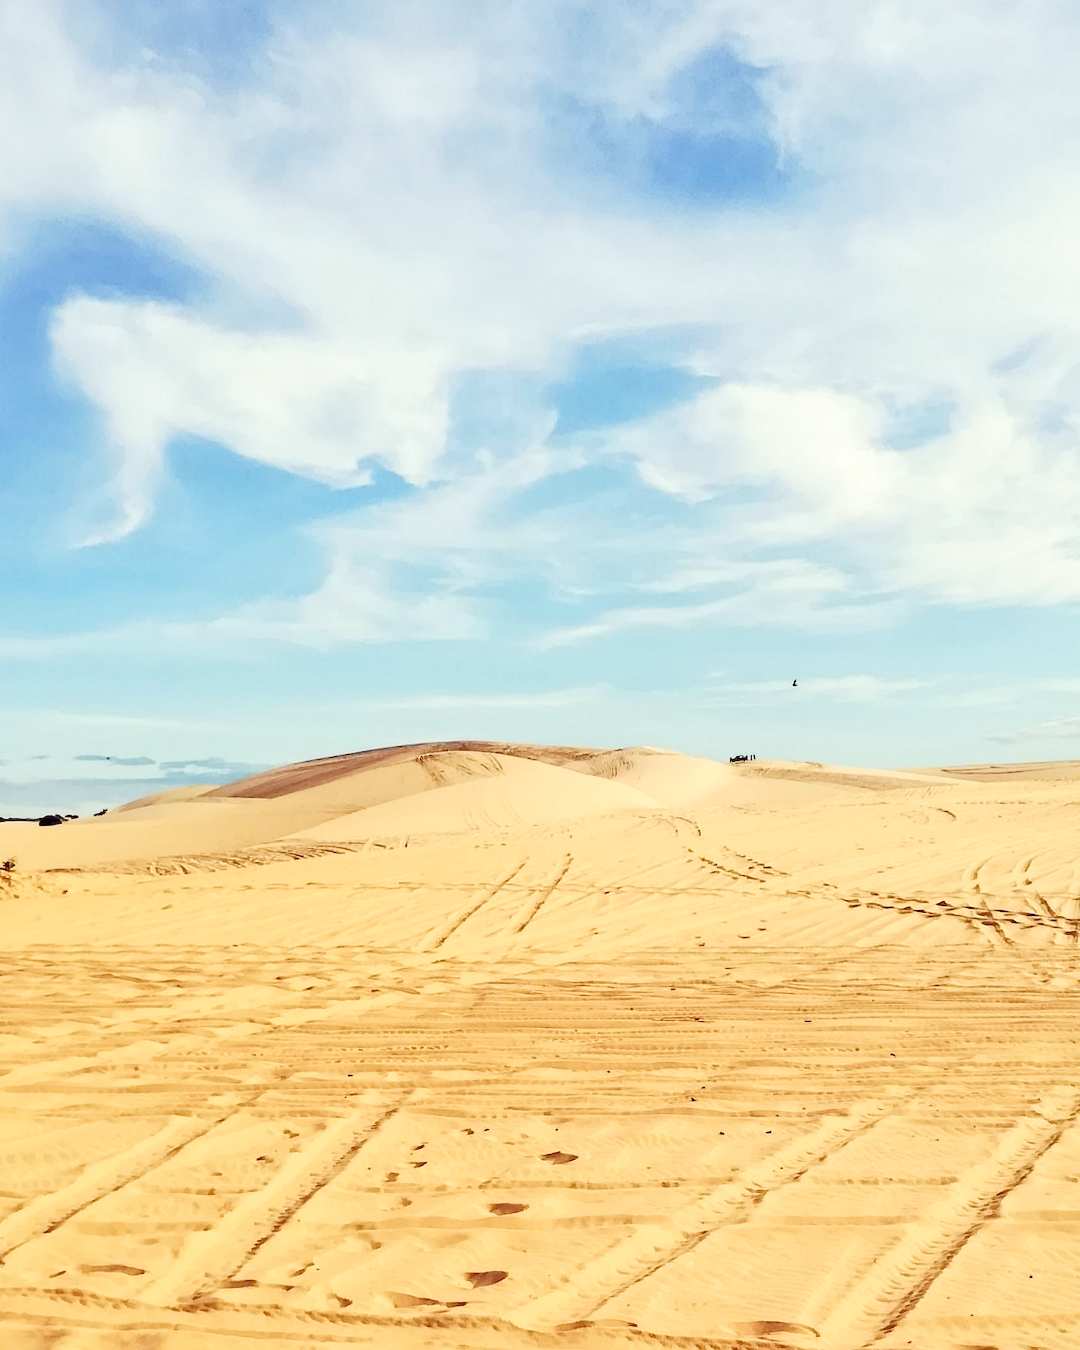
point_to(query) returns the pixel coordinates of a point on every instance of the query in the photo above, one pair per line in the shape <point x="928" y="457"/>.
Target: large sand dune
<point x="479" y="1045"/>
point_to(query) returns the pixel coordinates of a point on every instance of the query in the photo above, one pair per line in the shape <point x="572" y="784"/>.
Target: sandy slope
<point x="477" y="1045"/>
<point x="502" y="792"/>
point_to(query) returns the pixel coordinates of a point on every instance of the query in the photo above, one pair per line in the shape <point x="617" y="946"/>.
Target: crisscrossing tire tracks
<point x="649" y="1248"/>
<point x="900" y="1278"/>
<point x="214" y="1256"/>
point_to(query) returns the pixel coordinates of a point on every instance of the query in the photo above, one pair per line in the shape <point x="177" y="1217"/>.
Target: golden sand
<point x="498" y="1046"/>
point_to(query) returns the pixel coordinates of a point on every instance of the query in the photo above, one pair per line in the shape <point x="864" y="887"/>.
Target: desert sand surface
<point x="474" y="1045"/>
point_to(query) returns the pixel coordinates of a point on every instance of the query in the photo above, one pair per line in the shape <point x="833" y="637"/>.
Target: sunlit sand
<point x="494" y="1046"/>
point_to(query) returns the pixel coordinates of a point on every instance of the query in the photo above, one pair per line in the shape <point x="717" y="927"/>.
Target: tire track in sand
<point x="651" y="1247"/>
<point x="47" y="1212"/>
<point x="530" y="912"/>
<point x="214" y="1256"/>
<point x="448" y="929"/>
<point x="162" y="1042"/>
<point x="900" y="1278"/>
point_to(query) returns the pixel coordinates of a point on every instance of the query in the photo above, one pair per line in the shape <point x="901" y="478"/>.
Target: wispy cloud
<point x="547" y="698"/>
<point x="105" y="720"/>
<point x="35" y="784"/>
<point x="754" y="606"/>
<point x="211" y="768"/>
<point x="1053" y="729"/>
<point x="118" y="761"/>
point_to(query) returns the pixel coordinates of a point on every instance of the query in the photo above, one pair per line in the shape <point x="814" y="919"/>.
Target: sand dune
<point x="669" y="779"/>
<point x="499" y="793"/>
<point x="177" y="794"/>
<point x="834" y="775"/>
<point x="475" y="1045"/>
<point x="292" y="778"/>
<point x="160" y="828"/>
<point x="1053" y="771"/>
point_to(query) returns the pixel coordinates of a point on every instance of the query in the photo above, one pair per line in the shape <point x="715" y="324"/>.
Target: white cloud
<point x="808" y="441"/>
<point x="297" y="402"/>
<point x="986" y="514"/>
<point x="381" y="206"/>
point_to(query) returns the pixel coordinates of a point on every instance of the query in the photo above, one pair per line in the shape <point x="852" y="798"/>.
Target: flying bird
<point x="794" y="683"/>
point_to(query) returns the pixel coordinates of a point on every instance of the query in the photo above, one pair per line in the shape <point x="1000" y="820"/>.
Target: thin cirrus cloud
<point x="1059" y="729"/>
<point x="118" y="761"/>
<point x="546" y="698"/>
<point x="213" y="767"/>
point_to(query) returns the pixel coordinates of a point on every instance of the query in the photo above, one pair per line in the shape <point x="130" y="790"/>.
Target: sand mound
<point x="527" y="785"/>
<point x="1051" y="771"/>
<point x="512" y="793"/>
<point x="376" y="782"/>
<point x="159" y="829"/>
<point x="313" y="773"/>
<point x="177" y="794"/>
<point x="836" y="775"/>
<point x="667" y="777"/>
<point x="436" y="788"/>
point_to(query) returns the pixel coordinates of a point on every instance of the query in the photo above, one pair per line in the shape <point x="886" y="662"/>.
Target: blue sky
<point x="578" y="372"/>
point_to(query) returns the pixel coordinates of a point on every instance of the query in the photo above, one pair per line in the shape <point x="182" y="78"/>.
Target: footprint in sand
<point x="416" y="1301"/>
<point x="769" y="1329"/>
<point x="587" y="1324"/>
<point x="412" y="1301"/>
<point x="480" y="1279"/>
